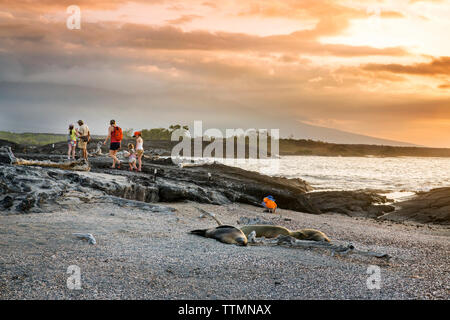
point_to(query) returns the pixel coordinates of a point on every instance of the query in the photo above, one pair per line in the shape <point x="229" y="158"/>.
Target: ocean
<point x="396" y="177"/>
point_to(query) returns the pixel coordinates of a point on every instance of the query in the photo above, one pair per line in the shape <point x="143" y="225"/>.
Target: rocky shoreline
<point x="35" y="189"/>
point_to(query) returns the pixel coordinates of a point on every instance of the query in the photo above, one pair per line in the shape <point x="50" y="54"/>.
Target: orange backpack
<point x="117" y="133"/>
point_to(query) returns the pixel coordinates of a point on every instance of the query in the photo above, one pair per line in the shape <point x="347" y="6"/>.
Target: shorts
<point x="72" y="143"/>
<point x="114" y="146"/>
<point x="139" y="152"/>
<point x="82" y="144"/>
<point x="132" y="160"/>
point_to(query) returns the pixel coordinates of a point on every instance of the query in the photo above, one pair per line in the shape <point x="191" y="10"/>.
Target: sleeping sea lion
<point x="269" y="231"/>
<point x="225" y="234"/>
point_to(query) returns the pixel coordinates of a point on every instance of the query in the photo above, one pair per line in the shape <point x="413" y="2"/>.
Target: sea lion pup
<point x="225" y="234"/>
<point x="269" y="231"/>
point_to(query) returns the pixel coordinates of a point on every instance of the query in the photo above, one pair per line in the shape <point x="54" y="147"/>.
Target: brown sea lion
<point x="225" y="234"/>
<point x="269" y="231"/>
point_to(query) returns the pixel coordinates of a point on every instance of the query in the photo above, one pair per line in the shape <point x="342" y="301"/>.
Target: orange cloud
<point x="438" y="66"/>
<point x="51" y="5"/>
<point x="391" y="14"/>
<point x="290" y="75"/>
<point x="184" y="19"/>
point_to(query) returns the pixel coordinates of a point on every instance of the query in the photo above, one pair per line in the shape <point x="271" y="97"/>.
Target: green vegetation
<point x="161" y="133"/>
<point x="40" y="139"/>
<point x="36" y="139"/>
<point x="32" y="138"/>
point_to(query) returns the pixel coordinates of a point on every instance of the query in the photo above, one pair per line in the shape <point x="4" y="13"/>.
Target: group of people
<point x="81" y="136"/>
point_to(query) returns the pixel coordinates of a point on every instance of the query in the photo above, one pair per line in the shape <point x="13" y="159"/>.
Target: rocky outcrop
<point x="12" y="145"/>
<point x="32" y="189"/>
<point x="162" y="181"/>
<point x="218" y="184"/>
<point x="351" y="203"/>
<point x="7" y="155"/>
<point x="427" y="207"/>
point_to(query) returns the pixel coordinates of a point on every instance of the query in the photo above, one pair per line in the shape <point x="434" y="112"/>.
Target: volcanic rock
<point x="427" y="207"/>
<point x="351" y="203"/>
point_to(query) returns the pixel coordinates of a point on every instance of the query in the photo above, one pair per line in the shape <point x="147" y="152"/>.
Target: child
<point x="139" y="148"/>
<point x="131" y="157"/>
<point x="71" y="142"/>
<point x="270" y="204"/>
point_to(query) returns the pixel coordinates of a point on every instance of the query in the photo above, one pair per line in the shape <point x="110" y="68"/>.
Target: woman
<point x="72" y="142"/>
<point x="115" y="134"/>
<point x="139" y="148"/>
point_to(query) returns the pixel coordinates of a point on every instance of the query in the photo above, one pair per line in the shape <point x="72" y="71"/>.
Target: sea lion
<point x="270" y="231"/>
<point x="225" y="234"/>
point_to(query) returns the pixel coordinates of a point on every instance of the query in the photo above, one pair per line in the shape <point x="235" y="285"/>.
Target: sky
<point x="375" y="68"/>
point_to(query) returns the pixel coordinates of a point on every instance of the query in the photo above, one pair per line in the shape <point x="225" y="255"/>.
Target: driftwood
<point x="190" y="165"/>
<point x="80" y="165"/>
<point x="86" y="236"/>
<point x="212" y="215"/>
<point x="288" y="241"/>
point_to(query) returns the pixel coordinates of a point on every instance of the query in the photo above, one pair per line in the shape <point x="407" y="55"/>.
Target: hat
<point x="136" y="133"/>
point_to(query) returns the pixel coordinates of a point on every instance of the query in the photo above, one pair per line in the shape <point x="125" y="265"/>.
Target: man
<point x="84" y="137"/>
<point x="115" y="134"/>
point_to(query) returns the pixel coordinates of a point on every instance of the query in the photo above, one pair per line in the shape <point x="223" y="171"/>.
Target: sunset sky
<point x="377" y="68"/>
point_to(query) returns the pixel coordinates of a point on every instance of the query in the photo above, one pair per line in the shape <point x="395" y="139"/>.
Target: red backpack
<point x="117" y="133"/>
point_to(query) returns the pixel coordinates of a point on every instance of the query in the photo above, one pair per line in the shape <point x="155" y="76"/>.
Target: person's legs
<point x="85" y="153"/>
<point x="117" y="159"/>
<point x="73" y="151"/>
<point x="140" y="161"/>
<point x="69" y="151"/>
<point x="80" y="147"/>
<point x="113" y="156"/>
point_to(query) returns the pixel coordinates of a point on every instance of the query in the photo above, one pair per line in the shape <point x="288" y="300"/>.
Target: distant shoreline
<point x="287" y="147"/>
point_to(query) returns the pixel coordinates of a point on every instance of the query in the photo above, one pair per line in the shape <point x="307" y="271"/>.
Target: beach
<point x="150" y="255"/>
<point x="143" y="250"/>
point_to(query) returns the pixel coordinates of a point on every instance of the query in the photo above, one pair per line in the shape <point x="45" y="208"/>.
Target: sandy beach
<point x="150" y="255"/>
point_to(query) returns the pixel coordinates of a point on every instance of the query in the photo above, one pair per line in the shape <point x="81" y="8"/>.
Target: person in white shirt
<point x="139" y="148"/>
<point x="84" y="136"/>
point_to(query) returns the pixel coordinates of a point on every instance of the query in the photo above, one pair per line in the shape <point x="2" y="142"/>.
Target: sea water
<point x="396" y="177"/>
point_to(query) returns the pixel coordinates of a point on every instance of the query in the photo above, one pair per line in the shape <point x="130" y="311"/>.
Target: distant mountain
<point x="306" y="131"/>
<point x="44" y="107"/>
